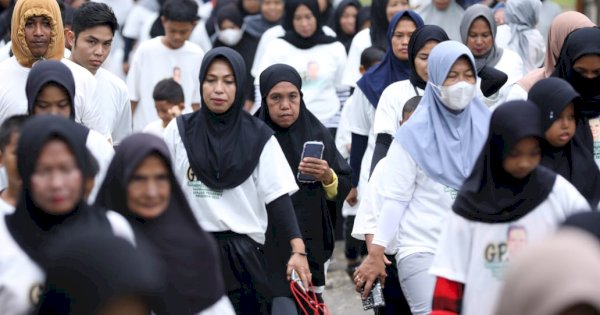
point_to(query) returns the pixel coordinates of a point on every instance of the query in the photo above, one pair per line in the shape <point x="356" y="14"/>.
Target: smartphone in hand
<point x="311" y="149"/>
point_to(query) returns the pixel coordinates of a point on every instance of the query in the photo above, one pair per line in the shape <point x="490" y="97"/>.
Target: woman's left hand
<point x="317" y="168"/>
<point x="300" y="264"/>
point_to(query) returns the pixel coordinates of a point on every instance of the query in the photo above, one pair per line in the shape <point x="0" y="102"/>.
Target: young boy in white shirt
<point x="93" y="29"/>
<point x="171" y="55"/>
<point x="169" y="102"/>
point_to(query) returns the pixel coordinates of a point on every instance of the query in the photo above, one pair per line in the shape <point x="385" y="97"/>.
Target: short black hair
<point x="9" y="127"/>
<point x="168" y="90"/>
<point x="410" y="105"/>
<point x="92" y="14"/>
<point x="180" y="10"/>
<point x="371" y="56"/>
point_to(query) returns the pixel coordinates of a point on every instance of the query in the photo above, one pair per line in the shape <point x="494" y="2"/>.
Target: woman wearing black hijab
<point x="579" y="64"/>
<point x="508" y="202"/>
<point x="562" y="152"/>
<point x="344" y="23"/>
<point x="94" y="272"/>
<point x="141" y="186"/>
<point x="285" y="112"/>
<point x="54" y="164"/>
<point x="237" y="180"/>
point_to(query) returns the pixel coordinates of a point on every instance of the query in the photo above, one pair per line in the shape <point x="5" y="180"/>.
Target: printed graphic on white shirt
<point x="498" y="254"/>
<point x="199" y="189"/>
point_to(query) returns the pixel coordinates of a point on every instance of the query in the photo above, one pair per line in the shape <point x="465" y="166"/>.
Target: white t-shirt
<point x="321" y="70"/>
<point x="516" y="92"/>
<point x="153" y="62"/>
<point x="370" y="208"/>
<point x="117" y="113"/>
<point x="391" y="103"/>
<point x="13" y="99"/>
<point x="101" y="149"/>
<point x="156" y="128"/>
<point x="360" y="42"/>
<point x="21" y="278"/>
<point x="428" y="204"/>
<point x="241" y="209"/>
<point x="477" y="254"/>
<point x="137" y="17"/>
<point x="511" y="64"/>
<point x="536" y="49"/>
<point x="6" y="208"/>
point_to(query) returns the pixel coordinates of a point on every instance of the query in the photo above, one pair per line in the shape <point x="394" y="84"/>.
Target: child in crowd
<point x="354" y="248"/>
<point x="169" y="102"/>
<point x="9" y="137"/>
<point x="409" y="108"/>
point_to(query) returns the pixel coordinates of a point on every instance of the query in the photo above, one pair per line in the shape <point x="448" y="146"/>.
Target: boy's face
<point x="91" y="47"/>
<point x="167" y="110"/>
<point x="176" y="33"/>
<point x="8" y="158"/>
<point x="406" y="116"/>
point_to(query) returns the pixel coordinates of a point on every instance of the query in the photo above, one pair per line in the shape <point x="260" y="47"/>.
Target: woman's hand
<point x="371" y="269"/>
<point x="352" y="198"/>
<point x="299" y="263"/>
<point x="318" y="168"/>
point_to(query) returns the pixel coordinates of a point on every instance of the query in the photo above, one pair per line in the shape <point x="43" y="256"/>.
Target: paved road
<point x="340" y="296"/>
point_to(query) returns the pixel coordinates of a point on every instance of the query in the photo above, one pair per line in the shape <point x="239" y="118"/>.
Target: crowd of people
<point x="158" y="156"/>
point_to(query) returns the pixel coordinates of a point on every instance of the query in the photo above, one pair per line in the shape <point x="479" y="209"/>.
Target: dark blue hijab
<point x="391" y="69"/>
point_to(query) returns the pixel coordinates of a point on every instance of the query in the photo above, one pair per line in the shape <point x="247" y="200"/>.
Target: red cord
<point x="309" y="297"/>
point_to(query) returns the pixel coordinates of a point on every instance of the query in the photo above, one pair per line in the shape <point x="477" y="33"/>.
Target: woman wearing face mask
<point x="579" y="64"/>
<point x="55" y="166"/>
<point x="231" y="33"/>
<point x="519" y="33"/>
<point x="237" y="181"/>
<point x="445" y="14"/>
<point x="382" y="13"/>
<point x="432" y="154"/>
<point x="344" y="21"/>
<point x="141" y="186"/>
<point x="561" y="27"/>
<point x="393" y="68"/>
<point x="319" y="58"/>
<point x="508" y="201"/>
<point x="388" y="115"/>
<point x="478" y="32"/>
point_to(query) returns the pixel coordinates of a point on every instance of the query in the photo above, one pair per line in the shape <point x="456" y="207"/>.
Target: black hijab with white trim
<point x="492" y="195"/>
<point x="223" y="149"/>
<point x="572" y="161"/>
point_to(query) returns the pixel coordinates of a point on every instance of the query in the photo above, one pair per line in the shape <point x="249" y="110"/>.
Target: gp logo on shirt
<point x="199" y="189"/>
<point x="190" y="175"/>
<point x="498" y="255"/>
<point x="35" y="293"/>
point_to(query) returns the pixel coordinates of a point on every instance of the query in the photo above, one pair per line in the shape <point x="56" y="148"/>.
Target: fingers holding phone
<point x="317" y="168"/>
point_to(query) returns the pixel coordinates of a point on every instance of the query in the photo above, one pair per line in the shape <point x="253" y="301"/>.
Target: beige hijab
<point x="25" y="9"/>
<point x="562" y="25"/>
<point x="552" y="276"/>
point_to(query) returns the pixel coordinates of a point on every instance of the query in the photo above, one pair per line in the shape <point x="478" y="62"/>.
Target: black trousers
<point x="244" y="273"/>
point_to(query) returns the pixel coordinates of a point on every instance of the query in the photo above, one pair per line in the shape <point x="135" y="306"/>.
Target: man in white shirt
<point x="171" y="55"/>
<point x="94" y="26"/>
<point x="37" y="32"/>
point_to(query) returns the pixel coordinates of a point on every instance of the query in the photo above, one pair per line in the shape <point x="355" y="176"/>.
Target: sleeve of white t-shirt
<point x="397" y="191"/>
<point x="358" y="114"/>
<point x="133" y="77"/>
<point x="121" y="227"/>
<point x="172" y="139"/>
<point x="90" y="111"/>
<point x="516" y="92"/>
<point x="274" y="176"/>
<point x="340" y="58"/>
<point x="451" y="260"/>
<point x="370" y="204"/>
<point x="351" y="72"/>
<point x="571" y="199"/>
<point x="343" y="136"/>
<point x="103" y="152"/>
<point x="386" y="116"/>
<point x="135" y="20"/>
<point x="123" y="123"/>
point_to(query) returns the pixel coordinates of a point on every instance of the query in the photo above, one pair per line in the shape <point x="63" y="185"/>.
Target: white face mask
<point x="457" y="96"/>
<point x="230" y="36"/>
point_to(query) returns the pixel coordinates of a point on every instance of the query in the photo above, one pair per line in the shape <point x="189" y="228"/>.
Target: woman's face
<point x="421" y="59"/>
<point x="57" y="181"/>
<point x="395" y="6"/>
<point x="52" y="100"/>
<point x="461" y="71"/>
<point x="283" y="102"/>
<point x="272" y="10"/>
<point x="251" y="6"/>
<point x="588" y="66"/>
<point x="149" y="188"/>
<point x="479" y="38"/>
<point x="523" y="158"/>
<point x="305" y="23"/>
<point x="401" y="36"/>
<point x="218" y="88"/>
<point x="348" y="20"/>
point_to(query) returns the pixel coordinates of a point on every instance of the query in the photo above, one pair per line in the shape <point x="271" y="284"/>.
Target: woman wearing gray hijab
<point x="443" y="13"/>
<point x="478" y="32"/>
<point x="519" y="32"/>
